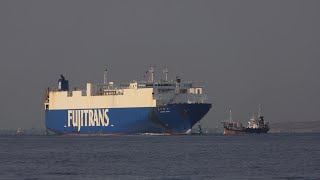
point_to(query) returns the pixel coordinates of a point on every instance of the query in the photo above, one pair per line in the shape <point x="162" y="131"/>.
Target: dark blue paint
<point x="173" y="118"/>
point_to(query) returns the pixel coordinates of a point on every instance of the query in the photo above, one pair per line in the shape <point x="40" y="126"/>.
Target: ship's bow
<point x="179" y="118"/>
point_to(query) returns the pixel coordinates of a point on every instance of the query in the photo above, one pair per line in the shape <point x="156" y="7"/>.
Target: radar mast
<point x="260" y="113"/>
<point x="105" y="77"/>
<point x="165" y="70"/>
<point x="151" y="70"/>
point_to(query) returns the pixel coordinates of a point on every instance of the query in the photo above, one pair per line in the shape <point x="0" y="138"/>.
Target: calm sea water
<point x="270" y="156"/>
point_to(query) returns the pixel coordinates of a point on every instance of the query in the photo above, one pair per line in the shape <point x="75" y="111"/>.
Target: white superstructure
<point x="135" y="94"/>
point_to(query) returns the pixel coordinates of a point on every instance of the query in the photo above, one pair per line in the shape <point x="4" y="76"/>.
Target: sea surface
<point x="215" y="156"/>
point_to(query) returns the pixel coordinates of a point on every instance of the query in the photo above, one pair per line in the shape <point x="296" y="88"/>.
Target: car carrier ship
<point x="146" y="106"/>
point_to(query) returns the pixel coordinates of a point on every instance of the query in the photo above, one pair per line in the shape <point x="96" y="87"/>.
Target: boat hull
<point x="172" y="119"/>
<point x="245" y="131"/>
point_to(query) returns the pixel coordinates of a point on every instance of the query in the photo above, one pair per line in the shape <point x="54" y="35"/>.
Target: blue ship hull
<point x="172" y="119"/>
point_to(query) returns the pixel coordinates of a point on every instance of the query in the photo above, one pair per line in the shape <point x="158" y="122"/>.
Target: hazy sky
<point x="247" y="52"/>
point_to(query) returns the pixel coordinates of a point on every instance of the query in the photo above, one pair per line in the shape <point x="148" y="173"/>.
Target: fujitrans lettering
<point x="95" y="117"/>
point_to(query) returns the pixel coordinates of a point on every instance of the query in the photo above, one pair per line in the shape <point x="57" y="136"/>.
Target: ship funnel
<point x="63" y="84"/>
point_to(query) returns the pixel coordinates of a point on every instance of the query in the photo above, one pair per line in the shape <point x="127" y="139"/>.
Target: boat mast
<point x="260" y="114"/>
<point x="230" y="114"/>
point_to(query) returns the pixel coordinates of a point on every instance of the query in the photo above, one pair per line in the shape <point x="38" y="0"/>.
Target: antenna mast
<point x="151" y="70"/>
<point x="260" y="114"/>
<point x="105" y="77"/>
<point x="165" y="70"/>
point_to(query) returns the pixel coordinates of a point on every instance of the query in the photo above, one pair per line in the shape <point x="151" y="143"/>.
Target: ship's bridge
<point x="164" y="92"/>
<point x="169" y="92"/>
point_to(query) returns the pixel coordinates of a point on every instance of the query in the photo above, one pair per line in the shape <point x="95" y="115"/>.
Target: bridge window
<point x="183" y="91"/>
<point x="163" y="91"/>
